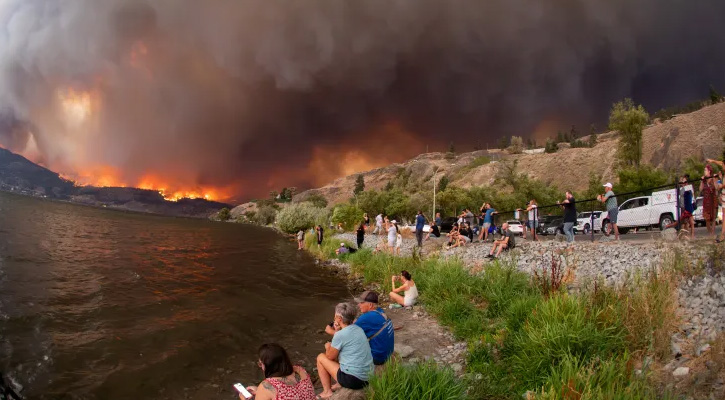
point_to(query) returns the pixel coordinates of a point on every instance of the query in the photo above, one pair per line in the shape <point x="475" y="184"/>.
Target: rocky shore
<point x="700" y="293"/>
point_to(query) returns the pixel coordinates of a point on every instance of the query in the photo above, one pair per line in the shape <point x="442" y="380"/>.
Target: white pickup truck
<point x="659" y="209"/>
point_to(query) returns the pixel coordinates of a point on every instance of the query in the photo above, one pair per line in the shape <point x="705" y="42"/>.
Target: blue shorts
<point x="532" y="224"/>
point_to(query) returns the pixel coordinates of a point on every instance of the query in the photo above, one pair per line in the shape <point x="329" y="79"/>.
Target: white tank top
<point x="411" y="295"/>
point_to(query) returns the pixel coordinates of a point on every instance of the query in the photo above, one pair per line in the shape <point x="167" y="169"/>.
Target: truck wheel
<point x="606" y="228"/>
<point x="665" y="220"/>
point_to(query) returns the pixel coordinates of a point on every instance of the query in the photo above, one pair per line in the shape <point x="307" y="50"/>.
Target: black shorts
<point x="350" y="381"/>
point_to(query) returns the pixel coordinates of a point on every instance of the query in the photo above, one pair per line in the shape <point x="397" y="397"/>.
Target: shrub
<point x="265" y="215"/>
<point x="300" y="216"/>
<point x="224" y="214"/>
<point x="420" y="381"/>
<point x="317" y="200"/>
<point x="517" y="145"/>
<point x="349" y="215"/>
<point x="550" y="146"/>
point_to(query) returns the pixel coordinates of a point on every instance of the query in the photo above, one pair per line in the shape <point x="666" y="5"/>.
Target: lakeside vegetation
<point x="528" y="334"/>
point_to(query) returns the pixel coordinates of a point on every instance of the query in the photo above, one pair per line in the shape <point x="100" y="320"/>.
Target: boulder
<point x="404" y="351"/>
<point x="348" y="394"/>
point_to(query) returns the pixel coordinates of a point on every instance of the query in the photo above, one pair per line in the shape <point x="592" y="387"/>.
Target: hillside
<point x="666" y="145"/>
<point x="20" y="175"/>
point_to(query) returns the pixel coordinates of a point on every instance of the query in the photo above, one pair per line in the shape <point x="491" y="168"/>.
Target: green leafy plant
<point x="298" y="216"/>
<point x="629" y="120"/>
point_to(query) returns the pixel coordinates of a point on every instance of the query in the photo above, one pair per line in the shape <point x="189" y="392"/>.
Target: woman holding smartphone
<point x="282" y="381"/>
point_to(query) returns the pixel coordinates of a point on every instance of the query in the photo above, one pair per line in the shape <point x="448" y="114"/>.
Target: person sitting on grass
<point x="408" y="286"/>
<point x="342" y="249"/>
<point x="282" y="381"/>
<point x="348" y="358"/>
<point x="507" y="242"/>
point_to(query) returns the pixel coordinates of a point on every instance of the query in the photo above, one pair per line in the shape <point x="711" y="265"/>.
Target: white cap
<point x="342" y="244"/>
<point x="609" y="185"/>
<point x="394" y="221"/>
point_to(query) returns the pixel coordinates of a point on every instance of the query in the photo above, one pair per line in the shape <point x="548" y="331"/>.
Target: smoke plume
<point x="251" y="95"/>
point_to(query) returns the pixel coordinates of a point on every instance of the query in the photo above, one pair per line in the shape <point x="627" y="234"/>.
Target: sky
<point x="234" y="98"/>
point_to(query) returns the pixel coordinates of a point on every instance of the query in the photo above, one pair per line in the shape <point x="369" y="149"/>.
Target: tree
<point x="224" y="214"/>
<point x="573" y="134"/>
<point x="273" y="194"/>
<point x="504" y="142"/>
<point x="592" y="140"/>
<point x="371" y="202"/>
<point x="442" y="183"/>
<point x="550" y="147"/>
<point x="453" y="200"/>
<point x="300" y="216"/>
<point x="517" y="145"/>
<point x="397" y="204"/>
<point x="714" y="95"/>
<point x="348" y="214"/>
<point x="265" y="215"/>
<point x="317" y="200"/>
<point x="634" y="179"/>
<point x="359" y="185"/>
<point x="451" y="154"/>
<point x="629" y="120"/>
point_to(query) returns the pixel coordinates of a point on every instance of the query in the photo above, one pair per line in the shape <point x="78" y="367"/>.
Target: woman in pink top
<point x="282" y="380"/>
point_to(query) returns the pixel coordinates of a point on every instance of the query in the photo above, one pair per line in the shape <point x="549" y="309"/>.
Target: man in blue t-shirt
<point x="488" y="213"/>
<point x="377" y="326"/>
<point x="419" y="225"/>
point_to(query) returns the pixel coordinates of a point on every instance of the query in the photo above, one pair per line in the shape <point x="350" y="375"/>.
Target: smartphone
<point x="241" y="389"/>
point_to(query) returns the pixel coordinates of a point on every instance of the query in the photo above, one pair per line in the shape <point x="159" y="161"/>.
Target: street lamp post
<point x="433" y="215"/>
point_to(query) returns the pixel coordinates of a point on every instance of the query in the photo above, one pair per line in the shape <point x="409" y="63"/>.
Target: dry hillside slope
<point x="666" y="145"/>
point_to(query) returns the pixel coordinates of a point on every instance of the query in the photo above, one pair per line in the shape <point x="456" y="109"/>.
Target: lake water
<point x="100" y="304"/>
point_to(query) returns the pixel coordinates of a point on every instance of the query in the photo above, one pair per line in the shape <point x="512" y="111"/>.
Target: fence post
<point x="535" y="222"/>
<point x="677" y="207"/>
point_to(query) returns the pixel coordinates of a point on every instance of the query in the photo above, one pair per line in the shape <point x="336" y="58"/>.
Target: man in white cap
<point x="610" y="202"/>
<point x="342" y="250"/>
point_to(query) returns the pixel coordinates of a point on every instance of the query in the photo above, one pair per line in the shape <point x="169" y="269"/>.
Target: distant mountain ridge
<point x="665" y="145"/>
<point x="20" y="175"/>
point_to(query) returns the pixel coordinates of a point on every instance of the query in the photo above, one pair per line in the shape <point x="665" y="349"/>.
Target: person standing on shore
<point x="378" y="224"/>
<point x="301" y="239"/>
<point x="366" y="219"/>
<point x="419" y="225"/>
<point x="392" y="236"/>
<point x="360" y="235"/>
<point x="533" y="219"/>
<point x="569" y="205"/>
<point x="320" y="236"/>
<point x="709" y="201"/>
<point x="610" y="203"/>
<point x="720" y="188"/>
<point x="488" y="213"/>
<point x="438" y="219"/>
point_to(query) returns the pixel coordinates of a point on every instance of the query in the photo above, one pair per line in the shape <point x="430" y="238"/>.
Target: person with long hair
<point x="360" y="235"/>
<point x="408" y="287"/>
<point x="282" y="380"/>
<point x="320" y="235"/>
<point x="392" y="235"/>
<point x="708" y="191"/>
<point x="532" y="221"/>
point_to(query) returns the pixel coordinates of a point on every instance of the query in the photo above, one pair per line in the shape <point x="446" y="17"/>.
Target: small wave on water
<point x="97" y="304"/>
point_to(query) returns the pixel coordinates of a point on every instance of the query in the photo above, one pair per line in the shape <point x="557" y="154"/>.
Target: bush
<point x="628" y="120"/>
<point x="517" y="145"/>
<point x="349" y="215"/>
<point x="420" y="381"/>
<point x="300" y="216"/>
<point x="265" y="215"/>
<point x="317" y="200"/>
<point x="224" y="214"/>
<point x="550" y="146"/>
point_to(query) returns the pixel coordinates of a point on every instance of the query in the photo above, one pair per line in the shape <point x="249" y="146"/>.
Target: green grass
<point x="555" y="345"/>
<point x="421" y="381"/>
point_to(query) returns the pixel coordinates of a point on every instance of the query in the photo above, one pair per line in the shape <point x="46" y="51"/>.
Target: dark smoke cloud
<point x="225" y="92"/>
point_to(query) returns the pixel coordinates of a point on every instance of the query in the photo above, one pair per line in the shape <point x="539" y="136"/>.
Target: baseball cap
<point x="368" y="296"/>
<point x="342" y="244"/>
<point x="609" y="185"/>
<point x="394" y="221"/>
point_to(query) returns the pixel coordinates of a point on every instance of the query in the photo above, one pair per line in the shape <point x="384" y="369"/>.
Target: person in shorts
<point x="532" y="223"/>
<point x="506" y="243"/>
<point x="348" y="358"/>
<point x="488" y="213"/>
<point x="610" y="202"/>
<point x="301" y="239"/>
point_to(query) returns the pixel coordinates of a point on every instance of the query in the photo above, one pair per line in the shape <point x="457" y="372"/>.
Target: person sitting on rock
<point x="507" y="242"/>
<point x="377" y="326"/>
<point x="408" y="286"/>
<point x="348" y="358"/>
<point x="282" y="381"/>
<point x="434" y="231"/>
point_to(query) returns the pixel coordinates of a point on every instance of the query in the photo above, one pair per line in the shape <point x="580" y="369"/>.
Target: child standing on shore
<point x="301" y="239"/>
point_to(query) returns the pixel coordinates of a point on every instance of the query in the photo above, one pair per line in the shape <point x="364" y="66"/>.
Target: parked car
<point x="584" y="222"/>
<point x="699" y="220"/>
<point x="545" y="222"/>
<point x="658" y="210"/>
<point x="516" y="227"/>
<point x="447" y="223"/>
<point x="555" y="226"/>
